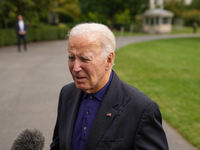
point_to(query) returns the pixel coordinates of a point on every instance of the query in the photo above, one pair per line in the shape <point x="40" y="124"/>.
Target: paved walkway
<point x="30" y="83"/>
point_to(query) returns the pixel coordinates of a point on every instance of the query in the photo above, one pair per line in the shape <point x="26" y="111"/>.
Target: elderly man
<point x="98" y="111"/>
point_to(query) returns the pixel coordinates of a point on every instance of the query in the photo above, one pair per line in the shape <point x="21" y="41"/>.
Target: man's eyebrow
<point x="70" y="55"/>
<point x="85" y="56"/>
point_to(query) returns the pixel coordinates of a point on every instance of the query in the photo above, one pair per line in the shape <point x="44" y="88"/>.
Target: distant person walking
<point x="195" y="25"/>
<point x="21" y="31"/>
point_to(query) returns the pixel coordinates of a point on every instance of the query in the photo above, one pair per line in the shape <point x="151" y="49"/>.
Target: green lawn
<point x="175" y="30"/>
<point x="184" y="29"/>
<point x="168" y="71"/>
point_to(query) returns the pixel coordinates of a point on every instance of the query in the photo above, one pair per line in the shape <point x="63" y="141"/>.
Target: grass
<point x="175" y="30"/>
<point x="168" y="71"/>
<point x="184" y="29"/>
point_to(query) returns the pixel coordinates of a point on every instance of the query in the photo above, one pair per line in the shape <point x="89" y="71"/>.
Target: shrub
<point x="34" y="34"/>
<point x="62" y="32"/>
<point x="9" y="36"/>
<point x="49" y="33"/>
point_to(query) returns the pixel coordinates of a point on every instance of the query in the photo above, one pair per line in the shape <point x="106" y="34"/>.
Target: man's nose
<point x="77" y="66"/>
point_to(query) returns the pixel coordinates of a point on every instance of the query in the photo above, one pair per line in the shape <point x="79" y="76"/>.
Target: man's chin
<point x="81" y="87"/>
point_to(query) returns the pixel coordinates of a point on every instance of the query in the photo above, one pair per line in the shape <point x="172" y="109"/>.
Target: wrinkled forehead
<point x="84" y="40"/>
<point x="87" y="35"/>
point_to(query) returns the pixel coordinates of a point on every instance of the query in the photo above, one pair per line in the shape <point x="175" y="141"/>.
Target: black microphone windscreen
<point x="29" y="139"/>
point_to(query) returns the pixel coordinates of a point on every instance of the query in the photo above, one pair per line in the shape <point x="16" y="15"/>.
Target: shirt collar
<point x="100" y="94"/>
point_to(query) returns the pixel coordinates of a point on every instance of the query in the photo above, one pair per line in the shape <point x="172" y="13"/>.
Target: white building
<point x="157" y="21"/>
<point x="160" y="3"/>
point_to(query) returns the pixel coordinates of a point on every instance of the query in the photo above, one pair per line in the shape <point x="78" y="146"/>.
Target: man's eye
<point x="71" y="58"/>
<point x="85" y="60"/>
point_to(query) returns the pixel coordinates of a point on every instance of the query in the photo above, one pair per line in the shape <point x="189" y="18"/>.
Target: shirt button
<point x="85" y="128"/>
<point x="90" y="97"/>
<point x="87" y="112"/>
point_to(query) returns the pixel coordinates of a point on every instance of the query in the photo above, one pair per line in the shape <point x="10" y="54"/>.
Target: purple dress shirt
<point x="86" y="115"/>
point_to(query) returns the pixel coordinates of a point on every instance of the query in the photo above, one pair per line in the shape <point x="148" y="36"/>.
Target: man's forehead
<point x="86" y="37"/>
<point x="84" y="41"/>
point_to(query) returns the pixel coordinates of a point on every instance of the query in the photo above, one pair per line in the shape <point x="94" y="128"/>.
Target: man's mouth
<point x="80" y="78"/>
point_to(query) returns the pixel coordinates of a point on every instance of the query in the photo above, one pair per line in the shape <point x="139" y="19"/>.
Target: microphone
<point x="29" y="139"/>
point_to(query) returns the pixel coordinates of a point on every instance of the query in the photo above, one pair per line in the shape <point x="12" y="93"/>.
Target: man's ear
<point x="110" y="60"/>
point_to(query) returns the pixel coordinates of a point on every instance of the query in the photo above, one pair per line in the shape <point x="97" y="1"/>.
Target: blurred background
<point x="58" y="16"/>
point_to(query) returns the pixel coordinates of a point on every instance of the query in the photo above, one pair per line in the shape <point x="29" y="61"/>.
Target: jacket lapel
<point x="105" y="115"/>
<point x="72" y="109"/>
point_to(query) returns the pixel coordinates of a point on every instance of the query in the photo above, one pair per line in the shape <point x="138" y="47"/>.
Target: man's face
<point x="89" y="70"/>
<point x="20" y="17"/>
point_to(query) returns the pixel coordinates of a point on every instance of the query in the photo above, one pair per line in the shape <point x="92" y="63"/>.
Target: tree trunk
<point x="112" y="22"/>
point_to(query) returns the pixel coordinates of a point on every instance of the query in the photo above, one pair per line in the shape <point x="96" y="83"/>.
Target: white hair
<point x="107" y="38"/>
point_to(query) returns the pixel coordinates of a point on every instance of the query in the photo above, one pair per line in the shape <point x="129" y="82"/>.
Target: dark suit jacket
<point x="135" y="122"/>
<point x="17" y="27"/>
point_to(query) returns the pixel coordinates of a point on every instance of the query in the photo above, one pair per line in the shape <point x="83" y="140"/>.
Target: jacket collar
<point x="105" y="115"/>
<point x="102" y="120"/>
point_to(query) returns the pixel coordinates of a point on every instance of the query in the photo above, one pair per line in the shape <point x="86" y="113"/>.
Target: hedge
<point x="9" y="36"/>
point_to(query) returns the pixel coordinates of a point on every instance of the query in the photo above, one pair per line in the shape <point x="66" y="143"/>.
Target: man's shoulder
<point x="129" y="91"/>
<point x="135" y="94"/>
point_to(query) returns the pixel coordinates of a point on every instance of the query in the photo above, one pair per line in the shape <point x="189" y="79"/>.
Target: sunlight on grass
<point x="168" y="71"/>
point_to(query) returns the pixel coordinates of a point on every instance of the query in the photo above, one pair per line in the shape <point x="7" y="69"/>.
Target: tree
<point x="7" y="12"/>
<point x="192" y="13"/>
<point x="66" y="8"/>
<point x="176" y="7"/>
<point x="104" y="9"/>
<point x="195" y="4"/>
<point x="108" y="9"/>
<point x="32" y="9"/>
<point x="29" y="9"/>
<point x="137" y="7"/>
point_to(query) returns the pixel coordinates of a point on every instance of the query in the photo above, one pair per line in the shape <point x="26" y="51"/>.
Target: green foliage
<point x="49" y="33"/>
<point x="7" y="12"/>
<point x="191" y="16"/>
<point x="110" y="11"/>
<point x="62" y="32"/>
<point x="105" y="9"/>
<point x="66" y="8"/>
<point x="37" y="11"/>
<point x="9" y="36"/>
<point x="123" y="18"/>
<point x="176" y="7"/>
<point x="195" y="5"/>
<point x="168" y="72"/>
<point x="137" y="7"/>
<point x="34" y="34"/>
<point x="30" y="9"/>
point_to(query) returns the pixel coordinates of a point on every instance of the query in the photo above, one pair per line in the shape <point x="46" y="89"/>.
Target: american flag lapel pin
<point x="109" y="114"/>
